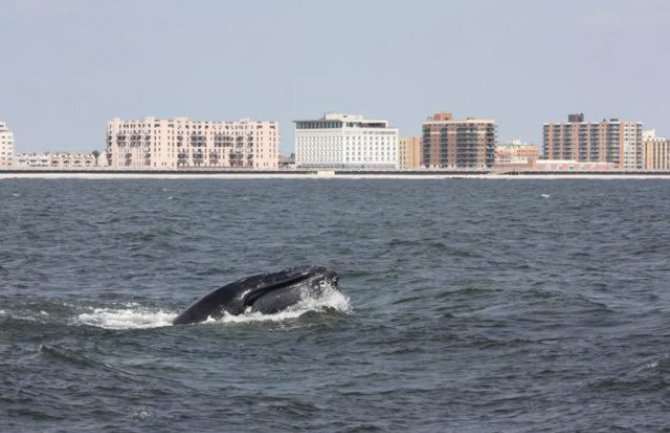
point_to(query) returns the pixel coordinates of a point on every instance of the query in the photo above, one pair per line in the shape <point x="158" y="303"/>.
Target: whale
<point x="266" y="293"/>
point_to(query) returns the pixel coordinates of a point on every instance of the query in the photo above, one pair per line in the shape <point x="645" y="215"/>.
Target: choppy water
<point x="467" y="306"/>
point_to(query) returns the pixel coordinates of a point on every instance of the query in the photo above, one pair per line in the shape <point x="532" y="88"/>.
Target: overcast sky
<point x="68" y="66"/>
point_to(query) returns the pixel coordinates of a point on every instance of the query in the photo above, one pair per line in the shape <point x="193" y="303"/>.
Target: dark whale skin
<point x="265" y="293"/>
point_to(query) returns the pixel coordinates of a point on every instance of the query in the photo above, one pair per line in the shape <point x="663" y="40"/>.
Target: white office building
<point x="6" y="146"/>
<point x="343" y="141"/>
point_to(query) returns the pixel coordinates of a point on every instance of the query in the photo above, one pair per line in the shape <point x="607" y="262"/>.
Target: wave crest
<point x="127" y="317"/>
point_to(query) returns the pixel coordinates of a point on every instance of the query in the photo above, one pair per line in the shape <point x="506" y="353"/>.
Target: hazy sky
<point x="68" y="66"/>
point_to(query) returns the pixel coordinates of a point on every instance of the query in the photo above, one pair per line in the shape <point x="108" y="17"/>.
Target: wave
<point x="61" y="354"/>
<point x="135" y="316"/>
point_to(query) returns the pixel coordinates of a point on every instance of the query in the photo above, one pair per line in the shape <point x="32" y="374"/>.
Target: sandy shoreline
<point x="379" y="176"/>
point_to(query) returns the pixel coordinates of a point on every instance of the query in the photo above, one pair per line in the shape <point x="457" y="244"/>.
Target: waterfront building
<point x="60" y="160"/>
<point x="345" y="141"/>
<point x="516" y="155"/>
<point x="562" y="165"/>
<point x="656" y="151"/>
<point x="286" y="161"/>
<point x="449" y="143"/>
<point x="162" y="144"/>
<point x="409" y="153"/>
<point x="6" y="146"/>
<point x="611" y="140"/>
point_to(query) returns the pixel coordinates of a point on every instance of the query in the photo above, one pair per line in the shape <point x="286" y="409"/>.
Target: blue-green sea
<point x="465" y="306"/>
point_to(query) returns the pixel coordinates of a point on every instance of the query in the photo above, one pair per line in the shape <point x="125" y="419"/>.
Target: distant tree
<point x="96" y="155"/>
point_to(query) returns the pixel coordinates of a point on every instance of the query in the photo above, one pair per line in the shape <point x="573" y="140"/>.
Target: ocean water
<point x="465" y="306"/>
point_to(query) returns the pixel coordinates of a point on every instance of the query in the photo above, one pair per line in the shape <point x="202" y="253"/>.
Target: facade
<point x="516" y="156"/>
<point x="611" y="140"/>
<point x="555" y="165"/>
<point x="449" y="143"/>
<point x="162" y="144"/>
<point x="345" y="141"/>
<point x="286" y="162"/>
<point x="6" y="146"/>
<point x="409" y="153"/>
<point x="60" y="160"/>
<point x="656" y="151"/>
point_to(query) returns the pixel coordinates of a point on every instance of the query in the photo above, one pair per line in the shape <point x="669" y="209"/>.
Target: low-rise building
<point x="345" y="141"/>
<point x="558" y="165"/>
<point x="6" y="146"/>
<point x="287" y="162"/>
<point x="60" y="160"/>
<point x="516" y="156"/>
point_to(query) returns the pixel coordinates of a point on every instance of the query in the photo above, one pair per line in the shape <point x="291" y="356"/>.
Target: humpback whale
<point x="265" y="293"/>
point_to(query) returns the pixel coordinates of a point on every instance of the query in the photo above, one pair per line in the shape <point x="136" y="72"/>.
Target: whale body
<point x="265" y="293"/>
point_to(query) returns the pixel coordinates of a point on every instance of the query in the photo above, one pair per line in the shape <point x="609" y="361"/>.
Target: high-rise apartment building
<point x="611" y="140"/>
<point x="656" y="151"/>
<point x="6" y="146"/>
<point x="152" y="143"/>
<point x="409" y="153"/>
<point x="449" y="143"/>
<point x="345" y="141"/>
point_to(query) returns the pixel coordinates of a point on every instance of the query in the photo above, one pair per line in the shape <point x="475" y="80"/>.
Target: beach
<point x="33" y="174"/>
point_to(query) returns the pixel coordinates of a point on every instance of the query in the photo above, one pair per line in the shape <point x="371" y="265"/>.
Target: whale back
<point x="270" y="291"/>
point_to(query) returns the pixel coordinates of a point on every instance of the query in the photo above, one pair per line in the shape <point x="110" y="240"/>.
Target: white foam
<point x="329" y="299"/>
<point x="140" y="412"/>
<point x="652" y="365"/>
<point x="132" y="316"/>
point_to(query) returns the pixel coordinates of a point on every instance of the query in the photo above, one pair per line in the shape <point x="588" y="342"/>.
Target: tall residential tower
<point x="449" y="143"/>
<point x="611" y="140"/>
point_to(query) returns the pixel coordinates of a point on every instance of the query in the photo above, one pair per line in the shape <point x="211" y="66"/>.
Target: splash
<point x="328" y="299"/>
<point x="127" y="317"/>
<point x="135" y="316"/>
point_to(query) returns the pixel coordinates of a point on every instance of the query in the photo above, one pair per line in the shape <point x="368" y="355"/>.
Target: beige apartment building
<point x="409" y="153"/>
<point x="611" y="140"/>
<point x="656" y="151"/>
<point x="162" y="144"/>
<point x="6" y="146"/>
<point x="449" y="143"/>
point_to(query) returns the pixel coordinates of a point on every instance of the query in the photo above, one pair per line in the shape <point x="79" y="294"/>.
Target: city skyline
<point x="74" y="64"/>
